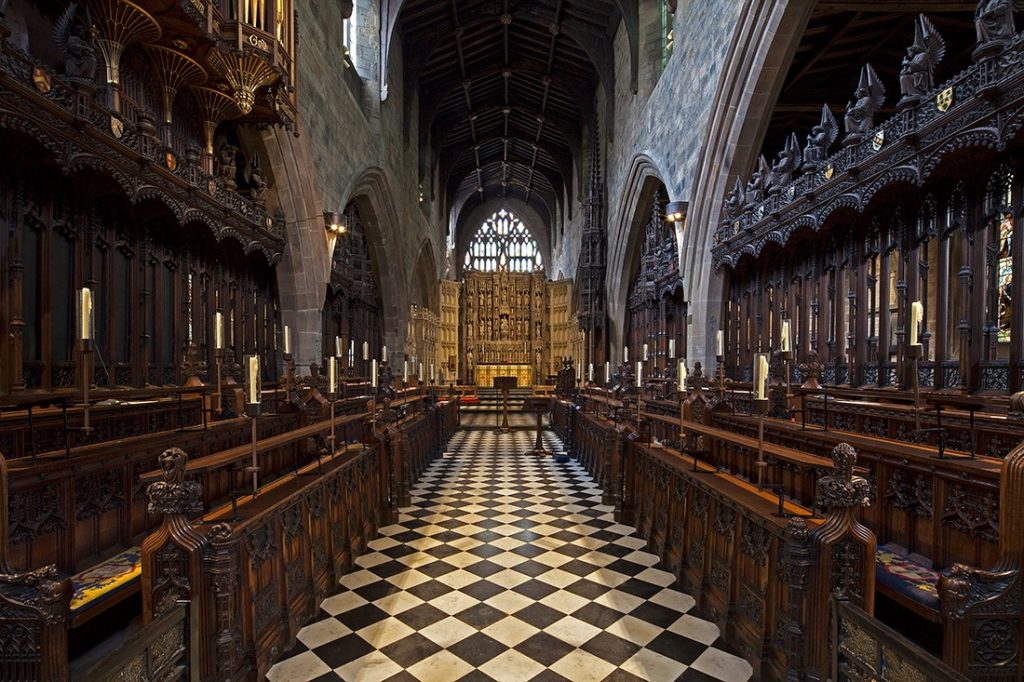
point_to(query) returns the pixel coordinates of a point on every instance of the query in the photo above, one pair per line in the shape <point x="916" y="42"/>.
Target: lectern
<point x="539" y="406"/>
<point x="505" y="384"/>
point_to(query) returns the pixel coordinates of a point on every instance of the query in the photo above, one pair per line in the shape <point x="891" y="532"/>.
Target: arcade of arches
<point x="512" y="340"/>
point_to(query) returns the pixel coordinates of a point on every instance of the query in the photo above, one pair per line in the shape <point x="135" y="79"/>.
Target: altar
<point x="485" y="374"/>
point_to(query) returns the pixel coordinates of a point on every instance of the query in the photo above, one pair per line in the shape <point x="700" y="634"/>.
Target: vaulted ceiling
<point x="505" y="89"/>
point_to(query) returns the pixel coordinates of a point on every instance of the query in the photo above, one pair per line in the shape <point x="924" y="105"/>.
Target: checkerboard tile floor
<point x="507" y="567"/>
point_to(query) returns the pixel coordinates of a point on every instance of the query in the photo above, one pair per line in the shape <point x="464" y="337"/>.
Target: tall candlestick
<point x="639" y="374"/>
<point x="332" y="372"/>
<point x="254" y="379"/>
<point x="720" y="343"/>
<point x="338" y="349"/>
<point x="682" y="375"/>
<point x="287" y="340"/>
<point x="85" y="314"/>
<point x="366" y="350"/>
<point x="671" y="348"/>
<point x="645" y="352"/>
<point x="625" y="354"/>
<point x="405" y="372"/>
<point x="218" y="330"/>
<point x="373" y="374"/>
<point x="916" y="318"/>
<point x="785" y="344"/>
<point x="420" y="375"/>
<point x="760" y="375"/>
<point x="432" y="377"/>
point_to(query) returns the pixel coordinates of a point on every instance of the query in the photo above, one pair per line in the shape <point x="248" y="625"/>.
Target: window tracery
<point x="503" y="244"/>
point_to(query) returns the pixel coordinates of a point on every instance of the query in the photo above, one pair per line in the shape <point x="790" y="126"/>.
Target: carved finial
<point x="174" y="495"/>
<point x="841" y="489"/>
<point x="193" y="366"/>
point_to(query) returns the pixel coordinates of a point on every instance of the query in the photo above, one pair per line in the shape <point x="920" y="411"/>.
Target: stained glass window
<point x="503" y="244"/>
<point x="1004" y="275"/>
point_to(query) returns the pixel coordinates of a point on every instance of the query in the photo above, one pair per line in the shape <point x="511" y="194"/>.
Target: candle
<point x="607" y="373"/>
<point x="625" y="354"/>
<point x="218" y="330"/>
<point x="916" y="318"/>
<point x="645" y="352"/>
<point x="760" y="375"/>
<point x="384" y="354"/>
<point x="254" y="379"/>
<point x="332" y="370"/>
<point x="287" y="340"/>
<point x="590" y="373"/>
<point x="337" y="347"/>
<point x="639" y="374"/>
<point x="420" y="375"/>
<point x="682" y="375"/>
<point x="373" y="374"/>
<point x="432" y="373"/>
<point x="671" y="348"/>
<point x="720" y="343"/>
<point x="785" y="345"/>
<point x="85" y="314"/>
<point x="366" y="350"/>
<point x="405" y="372"/>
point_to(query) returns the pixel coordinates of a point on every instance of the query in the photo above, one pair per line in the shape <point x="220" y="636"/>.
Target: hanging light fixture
<point x="335" y="223"/>
<point x="675" y="211"/>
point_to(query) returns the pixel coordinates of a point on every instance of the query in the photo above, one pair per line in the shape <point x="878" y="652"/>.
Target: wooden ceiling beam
<point x="904" y="6"/>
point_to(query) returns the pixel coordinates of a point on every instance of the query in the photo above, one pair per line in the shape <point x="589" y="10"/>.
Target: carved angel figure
<point x="917" y="75"/>
<point x="758" y="183"/>
<point x="227" y="167"/>
<point x="786" y="165"/>
<point x="860" y="113"/>
<point x="734" y="201"/>
<point x="257" y="183"/>
<point x="993" y="21"/>
<point x="821" y="138"/>
<point x="74" y="36"/>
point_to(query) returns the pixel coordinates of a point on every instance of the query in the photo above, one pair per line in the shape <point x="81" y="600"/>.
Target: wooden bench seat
<point x="105" y="584"/>
<point x="909" y="580"/>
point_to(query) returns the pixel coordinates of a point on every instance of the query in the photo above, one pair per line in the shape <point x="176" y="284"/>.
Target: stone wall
<point x="351" y="146"/>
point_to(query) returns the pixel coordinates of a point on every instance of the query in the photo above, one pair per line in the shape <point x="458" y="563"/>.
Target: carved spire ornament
<point x="860" y="112"/>
<point x="917" y="74"/>
<point x="821" y="137"/>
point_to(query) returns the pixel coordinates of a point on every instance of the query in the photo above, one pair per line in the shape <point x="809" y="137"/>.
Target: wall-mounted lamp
<point x="675" y="211"/>
<point x="335" y="223"/>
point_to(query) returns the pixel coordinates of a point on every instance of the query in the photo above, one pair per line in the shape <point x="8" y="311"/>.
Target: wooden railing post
<point x="845" y="554"/>
<point x="172" y="556"/>
<point x="34" y="607"/>
<point x="798" y="567"/>
<point x="984" y="609"/>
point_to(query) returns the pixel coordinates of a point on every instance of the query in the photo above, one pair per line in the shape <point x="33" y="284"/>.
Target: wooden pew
<point x="288" y="545"/>
<point x="762" y="578"/>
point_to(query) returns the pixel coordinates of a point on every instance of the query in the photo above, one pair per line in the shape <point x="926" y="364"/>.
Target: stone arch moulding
<point x="425" y="278"/>
<point x="756" y="63"/>
<point x="626" y="235"/>
<point x="371" y="193"/>
<point x="468" y="222"/>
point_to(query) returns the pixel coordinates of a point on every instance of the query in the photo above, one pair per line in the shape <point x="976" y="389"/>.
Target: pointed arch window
<point x="503" y="244"/>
